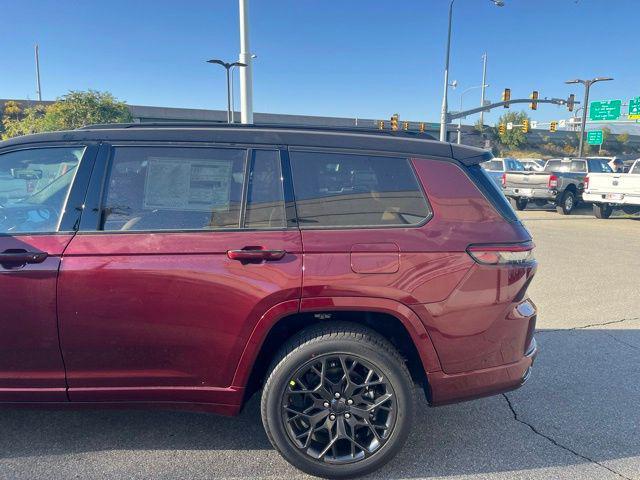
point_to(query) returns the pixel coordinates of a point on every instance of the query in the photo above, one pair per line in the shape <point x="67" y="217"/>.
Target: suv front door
<point x="41" y="189"/>
<point x="192" y="245"/>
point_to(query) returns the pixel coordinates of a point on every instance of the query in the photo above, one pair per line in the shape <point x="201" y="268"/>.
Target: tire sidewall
<point x="563" y="202"/>
<point x="279" y="380"/>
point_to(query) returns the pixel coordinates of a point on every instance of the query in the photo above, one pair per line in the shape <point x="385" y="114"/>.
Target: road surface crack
<point x="630" y="345"/>
<point x="556" y="443"/>
<point x="591" y="325"/>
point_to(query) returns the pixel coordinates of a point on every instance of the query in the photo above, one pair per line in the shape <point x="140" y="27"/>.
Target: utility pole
<point x="246" y="74"/>
<point x="484" y="86"/>
<point x="38" y="89"/>
<point x="585" y="104"/>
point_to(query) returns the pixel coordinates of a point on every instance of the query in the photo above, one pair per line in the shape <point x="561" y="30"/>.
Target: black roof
<point x="409" y="143"/>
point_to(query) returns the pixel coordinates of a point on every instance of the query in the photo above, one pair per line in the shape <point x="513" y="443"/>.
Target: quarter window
<point x="34" y="185"/>
<point x="265" y="195"/>
<point x="170" y="188"/>
<point x="343" y="190"/>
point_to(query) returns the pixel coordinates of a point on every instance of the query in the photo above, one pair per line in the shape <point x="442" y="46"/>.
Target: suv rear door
<point x="164" y="283"/>
<point x="42" y="188"/>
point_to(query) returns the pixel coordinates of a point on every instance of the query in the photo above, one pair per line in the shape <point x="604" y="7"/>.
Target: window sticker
<point x="181" y="184"/>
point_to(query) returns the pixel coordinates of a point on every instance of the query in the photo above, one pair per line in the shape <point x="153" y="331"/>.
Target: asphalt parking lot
<point x="577" y="417"/>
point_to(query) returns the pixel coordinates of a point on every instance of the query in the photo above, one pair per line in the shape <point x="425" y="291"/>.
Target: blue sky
<point x="341" y="58"/>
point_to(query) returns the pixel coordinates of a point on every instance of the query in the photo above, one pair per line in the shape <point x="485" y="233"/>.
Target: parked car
<point x="496" y="168"/>
<point x="561" y="183"/>
<point x="609" y="191"/>
<point x="532" y="164"/>
<point x="164" y="267"/>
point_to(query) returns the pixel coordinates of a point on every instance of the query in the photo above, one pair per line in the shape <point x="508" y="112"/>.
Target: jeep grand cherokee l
<point x="190" y="266"/>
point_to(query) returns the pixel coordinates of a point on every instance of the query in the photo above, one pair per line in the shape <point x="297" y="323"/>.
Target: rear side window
<point x="599" y="166"/>
<point x="166" y="188"/>
<point x="636" y="168"/>
<point x="491" y="191"/>
<point x="345" y="190"/>
<point x="514" y="165"/>
<point x="578" y="166"/>
<point x="557" y="166"/>
<point x="493" y="165"/>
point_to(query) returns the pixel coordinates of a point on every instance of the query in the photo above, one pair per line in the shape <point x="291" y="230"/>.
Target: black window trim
<point x="376" y="153"/>
<point x="73" y="206"/>
<point x="91" y="222"/>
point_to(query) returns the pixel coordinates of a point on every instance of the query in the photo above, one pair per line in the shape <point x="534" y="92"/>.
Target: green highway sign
<point x="595" y="137"/>
<point x="634" y="108"/>
<point x="605" y="110"/>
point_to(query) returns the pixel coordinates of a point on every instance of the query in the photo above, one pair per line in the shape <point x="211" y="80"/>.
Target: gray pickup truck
<point x="561" y="183"/>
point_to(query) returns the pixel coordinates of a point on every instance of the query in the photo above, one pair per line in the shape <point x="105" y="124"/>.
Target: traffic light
<point x="422" y="127"/>
<point x="502" y="129"/>
<point x="380" y="124"/>
<point x="394" y="122"/>
<point x="571" y="102"/>
<point x="534" y="97"/>
<point x="506" y="96"/>
<point x="553" y="127"/>
<point x="525" y="125"/>
<point x="405" y="126"/>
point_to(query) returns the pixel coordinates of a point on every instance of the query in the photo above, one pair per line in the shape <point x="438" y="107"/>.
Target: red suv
<point x="189" y="266"/>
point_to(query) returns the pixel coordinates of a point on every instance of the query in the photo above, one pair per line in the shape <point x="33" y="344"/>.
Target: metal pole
<point x="484" y="86"/>
<point x="246" y="82"/>
<point x="38" y="89"/>
<point x="443" y="111"/>
<point x="233" y="100"/>
<point x="228" y="95"/>
<point x="587" y="84"/>
<point x="460" y="122"/>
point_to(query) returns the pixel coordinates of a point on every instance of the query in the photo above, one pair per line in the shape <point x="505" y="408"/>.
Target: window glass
<point x="599" y="166"/>
<point x="557" y="166"/>
<point x="34" y="185"/>
<point x="265" y="196"/>
<point x="636" y="168"/>
<point x="493" y="165"/>
<point x="578" y="166"/>
<point x="170" y="188"/>
<point x="339" y="190"/>
<point x="514" y="165"/>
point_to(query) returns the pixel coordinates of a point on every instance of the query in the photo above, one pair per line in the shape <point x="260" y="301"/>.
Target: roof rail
<point x="274" y="126"/>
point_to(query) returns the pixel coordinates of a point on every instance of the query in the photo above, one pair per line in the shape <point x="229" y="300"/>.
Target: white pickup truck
<point x="613" y="190"/>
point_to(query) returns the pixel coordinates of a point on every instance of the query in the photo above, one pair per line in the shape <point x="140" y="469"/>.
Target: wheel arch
<point x="395" y="321"/>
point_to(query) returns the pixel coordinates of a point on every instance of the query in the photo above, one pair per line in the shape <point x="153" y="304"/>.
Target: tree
<point x="516" y="137"/>
<point x="73" y="110"/>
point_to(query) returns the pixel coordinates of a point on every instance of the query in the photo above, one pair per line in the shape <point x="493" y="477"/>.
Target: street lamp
<point x="460" y="119"/>
<point x="443" y="111"/>
<point x="228" y="66"/>
<point x="585" y="104"/>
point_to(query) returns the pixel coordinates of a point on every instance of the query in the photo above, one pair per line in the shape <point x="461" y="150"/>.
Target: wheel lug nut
<point x="347" y="415"/>
<point x="337" y="394"/>
<point x="325" y="404"/>
<point x="349" y="402"/>
<point x="332" y="417"/>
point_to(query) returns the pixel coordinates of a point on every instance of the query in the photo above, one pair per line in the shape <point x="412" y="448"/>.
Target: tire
<point x="331" y="349"/>
<point x="518" y="203"/>
<point x="567" y="203"/>
<point x="630" y="209"/>
<point x="602" y="210"/>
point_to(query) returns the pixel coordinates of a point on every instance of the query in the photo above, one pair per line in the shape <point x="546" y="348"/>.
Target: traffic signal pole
<point x="456" y="115"/>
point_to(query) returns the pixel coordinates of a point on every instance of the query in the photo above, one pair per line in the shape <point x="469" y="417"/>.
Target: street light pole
<point x="585" y="105"/>
<point x="245" y="57"/>
<point x="484" y="85"/>
<point x="227" y="66"/>
<point x="443" y="112"/>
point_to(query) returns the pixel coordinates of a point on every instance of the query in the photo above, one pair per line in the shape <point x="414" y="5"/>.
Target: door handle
<point x="255" y="254"/>
<point x="21" y="257"/>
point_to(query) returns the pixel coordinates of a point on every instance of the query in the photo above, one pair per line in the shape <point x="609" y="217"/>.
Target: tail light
<point x="553" y="181"/>
<point x="586" y="182"/>
<point x="510" y="254"/>
<point x="504" y="180"/>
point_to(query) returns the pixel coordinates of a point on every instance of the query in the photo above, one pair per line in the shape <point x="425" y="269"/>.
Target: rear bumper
<point x="601" y="197"/>
<point x="530" y="193"/>
<point x="452" y="388"/>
